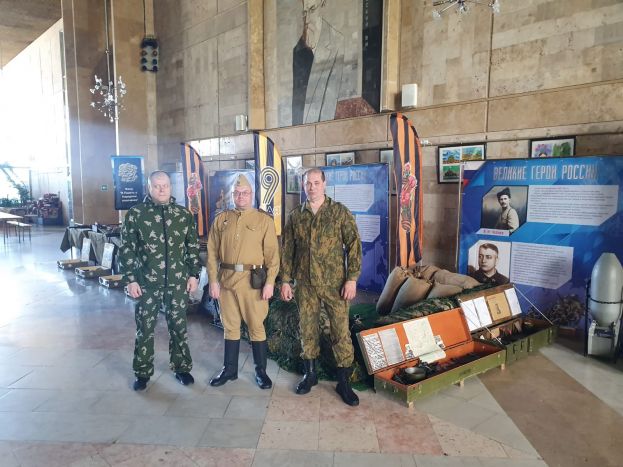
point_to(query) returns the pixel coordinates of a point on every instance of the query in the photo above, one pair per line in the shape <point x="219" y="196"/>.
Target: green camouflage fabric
<point x="314" y="246"/>
<point x="160" y="251"/>
<point x="145" y="315"/>
<point x="159" y="245"/>
<point x="309" y="299"/>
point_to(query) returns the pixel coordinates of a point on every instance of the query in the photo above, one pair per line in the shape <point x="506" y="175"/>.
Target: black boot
<point x="230" y="364"/>
<point x="260" y="355"/>
<point x="310" y="378"/>
<point x="343" y="387"/>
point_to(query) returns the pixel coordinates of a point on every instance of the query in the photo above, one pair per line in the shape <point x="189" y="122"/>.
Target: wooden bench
<point x="20" y="228"/>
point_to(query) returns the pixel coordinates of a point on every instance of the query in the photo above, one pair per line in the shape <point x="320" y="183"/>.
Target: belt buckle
<point x="238" y="267"/>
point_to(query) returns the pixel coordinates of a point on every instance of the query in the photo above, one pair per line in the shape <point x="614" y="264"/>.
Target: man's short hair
<point x="157" y="173"/>
<point x="506" y="191"/>
<point x="489" y="246"/>
<point x="312" y="171"/>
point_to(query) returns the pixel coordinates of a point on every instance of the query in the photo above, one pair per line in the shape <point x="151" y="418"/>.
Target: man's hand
<point x="349" y="290"/>
<point x="286" y="292"/>
<point x="192" y="284"/>
<point x="267" y="291"/>
<point x="215" y="290"/>
<point x="134" y="290"/>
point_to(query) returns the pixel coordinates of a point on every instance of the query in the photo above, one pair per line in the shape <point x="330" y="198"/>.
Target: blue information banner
<point x="364" y="189"/>
<point x="542" y="224"/>
<point x="127" y="174"/>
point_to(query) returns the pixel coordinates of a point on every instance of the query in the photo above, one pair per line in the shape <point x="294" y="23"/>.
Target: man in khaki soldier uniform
<point x="240" y="240"/>
<point x="319" y="236"/>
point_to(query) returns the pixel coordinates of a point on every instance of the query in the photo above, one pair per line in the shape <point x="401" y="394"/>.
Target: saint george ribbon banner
<point x="268" y="178"/>
<point x="408" y="173"/>
<point x="194" y="185"/>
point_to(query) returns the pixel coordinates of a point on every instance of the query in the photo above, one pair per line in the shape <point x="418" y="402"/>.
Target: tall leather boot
<point x="230" y="364"/>
<point x="260" y="356"/>
<point x="310" y="378"/>
<point x="343" y="387"/>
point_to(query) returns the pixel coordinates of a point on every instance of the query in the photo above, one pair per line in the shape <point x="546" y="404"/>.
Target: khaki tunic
<point x="242" y="237"/>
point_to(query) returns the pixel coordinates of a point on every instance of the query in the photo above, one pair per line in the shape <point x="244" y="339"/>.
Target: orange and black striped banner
<point x="195" y="188"/>
<point x="268" y="178"/>
<point x="408" y="172"/>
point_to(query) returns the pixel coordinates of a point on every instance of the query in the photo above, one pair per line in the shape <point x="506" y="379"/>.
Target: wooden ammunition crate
<point x="463" y="358"/>
<point x="509" y="328"/>
<point x="91" y="272"/>
<point x="71" y="263"/>
<point x="114" y="281"/>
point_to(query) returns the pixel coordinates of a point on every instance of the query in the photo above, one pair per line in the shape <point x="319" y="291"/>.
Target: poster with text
<point x="127" y="174"/>
<point x="542" y="224"/>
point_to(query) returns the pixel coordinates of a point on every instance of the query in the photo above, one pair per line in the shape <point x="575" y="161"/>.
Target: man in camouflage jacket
<point x="160" y="257"/>
<point x="322" y="251"/>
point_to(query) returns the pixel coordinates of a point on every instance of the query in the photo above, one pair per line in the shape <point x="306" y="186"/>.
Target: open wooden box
<point x="494" y="316"/>
<point x="89" y="272"/>
<point x="113" y="281"/>
<point x="80" y="262"/>
<point x="463" y="358"/>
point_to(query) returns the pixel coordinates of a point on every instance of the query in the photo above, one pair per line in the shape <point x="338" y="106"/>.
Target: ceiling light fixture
<point x="462" y="6"/>
<point x="108" y="96"/>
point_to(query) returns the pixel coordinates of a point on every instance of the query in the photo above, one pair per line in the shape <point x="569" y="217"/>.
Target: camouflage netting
<point x="282" y="330"/>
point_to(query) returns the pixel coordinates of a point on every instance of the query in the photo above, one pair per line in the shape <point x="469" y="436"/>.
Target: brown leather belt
<point x="240" y="267"/>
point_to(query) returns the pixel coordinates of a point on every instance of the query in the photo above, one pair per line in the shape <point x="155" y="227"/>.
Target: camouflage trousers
<point x="309" y="299"/>
<point x="146" y="314"/>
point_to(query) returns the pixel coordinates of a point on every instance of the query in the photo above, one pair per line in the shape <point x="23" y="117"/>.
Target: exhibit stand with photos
<point x="541" y="224"/>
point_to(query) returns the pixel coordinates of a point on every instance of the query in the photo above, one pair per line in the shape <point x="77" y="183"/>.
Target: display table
<point x="4" y="217"/>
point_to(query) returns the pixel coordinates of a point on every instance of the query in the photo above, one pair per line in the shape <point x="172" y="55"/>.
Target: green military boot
<point x="230" y="364"/>
<point x="343" y="387"/>
<point x="260" y="358"/>
<point x="310" y="378"/>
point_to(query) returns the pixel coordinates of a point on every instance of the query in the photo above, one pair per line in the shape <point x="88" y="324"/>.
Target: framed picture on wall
<point x="553" y="147"/>
<point x="450" y="158"/>
<point x="341" y="158"/>
<point x="294" y="171"/>
<point x="387" y="156"/>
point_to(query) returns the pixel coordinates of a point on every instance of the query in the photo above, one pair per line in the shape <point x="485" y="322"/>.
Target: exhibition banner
<point x="194" y="181"/>
<point x="221" y="187"/>
<point x="127" y="175"/>
<point x="542" y="224"/>
<point x="268" y="178"/>
<point x="408" y="173"/>
<point x="364" y="189"/>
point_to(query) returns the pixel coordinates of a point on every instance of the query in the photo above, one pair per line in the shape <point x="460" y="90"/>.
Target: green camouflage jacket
<point x="159" y="245"/>
<point x="322" y="249"/>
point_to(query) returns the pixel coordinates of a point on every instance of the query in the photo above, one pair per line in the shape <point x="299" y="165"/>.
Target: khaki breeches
<point x="243" y="304"/>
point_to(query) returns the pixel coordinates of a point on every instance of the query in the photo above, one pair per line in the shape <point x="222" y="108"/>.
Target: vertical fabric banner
<point x="127" y="175"/>
<point x="408" y="172"/>
<point x="194" y="183"/>
<point x="268" y="178"/>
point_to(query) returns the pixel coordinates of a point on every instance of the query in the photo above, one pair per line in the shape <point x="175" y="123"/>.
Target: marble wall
<point x="540" y="68"/>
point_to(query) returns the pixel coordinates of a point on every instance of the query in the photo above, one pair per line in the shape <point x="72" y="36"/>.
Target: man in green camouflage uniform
<point x="160" y="258"/>
<point x="319" y="236"/>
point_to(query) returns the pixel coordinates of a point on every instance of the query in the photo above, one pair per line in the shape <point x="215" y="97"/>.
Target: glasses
<point x="238" y="194"/>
